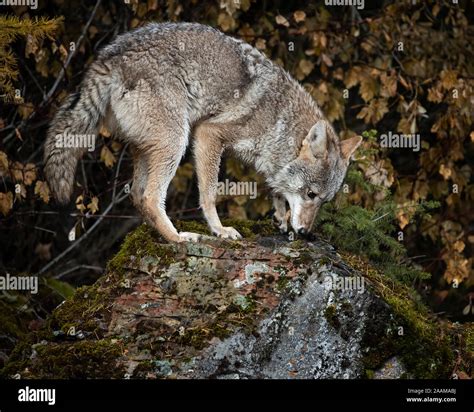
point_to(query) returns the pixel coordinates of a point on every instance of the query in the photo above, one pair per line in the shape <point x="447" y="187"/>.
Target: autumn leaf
<point x="80" y="204"/>
<point x="305" y="67"/>
<point x="445" y="171"/>
<point x="389" y="85"/>
<point x="459" y="246"/>
<point x="230" y="6"/>
<point x="17" y="171"/>
<point x="368" y="87"/>
<point x="29" y="174"/>
<point x="104" y="131"/>
<point x="93" y="206"/>
<point x="282" y="21"/>
<point x="448" y="79"/>
<point x="226" y="22"/>
<point x="299" y="16"/>
<point x="42" y="189"/>
<point x="3" y="164"/>
<point x="107" y="156"/>
<point x="353" y="77"/>
<point x="374" y="112"/>
<point x="326" y="59"/>
<point x="6" y="202"/>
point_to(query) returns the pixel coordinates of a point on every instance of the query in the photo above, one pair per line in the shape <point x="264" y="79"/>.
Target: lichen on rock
<point x="261" y="307"/>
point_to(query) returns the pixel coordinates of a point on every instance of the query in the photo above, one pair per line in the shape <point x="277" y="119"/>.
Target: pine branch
<point x="11" y="28"/>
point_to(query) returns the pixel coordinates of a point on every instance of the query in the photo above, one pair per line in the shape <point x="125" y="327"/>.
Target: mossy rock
<point x="240" y="308"/>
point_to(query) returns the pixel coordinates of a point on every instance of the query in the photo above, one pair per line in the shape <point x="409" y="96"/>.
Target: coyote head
<point x="316" y="175"/>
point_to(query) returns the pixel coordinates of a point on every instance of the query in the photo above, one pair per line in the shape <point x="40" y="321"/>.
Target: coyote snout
<point x="303" y="213"/>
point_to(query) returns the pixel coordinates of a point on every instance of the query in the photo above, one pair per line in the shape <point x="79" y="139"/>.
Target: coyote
<point x="166" y="84"/>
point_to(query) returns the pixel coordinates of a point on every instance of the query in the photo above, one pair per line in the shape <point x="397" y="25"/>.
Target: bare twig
<point x="71" y="55"/>
<point x="82" y="238"/>
<point x="67" y="272"/>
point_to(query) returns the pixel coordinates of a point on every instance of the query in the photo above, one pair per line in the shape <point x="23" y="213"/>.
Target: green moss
<point x="298" y="244"/>
<point x="199" y="337"/>
<point x="469" y="336"/>
<point x="17" y="361"/>
<point x="77" y="360"/>
<point x="369" y="373"/>
<point x="422" y="344"/>
<point x="81" y="311"/>
<point x="283" y="280"/>
<point x="250" y="229"/>
<point x="192" y="226"/>
<point x="330" y="313"/>
<point x="305" y="258"/>
<point x="221" y="327"/>
<point x="142" y="242"/>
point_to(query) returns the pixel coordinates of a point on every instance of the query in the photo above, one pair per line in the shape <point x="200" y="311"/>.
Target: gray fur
<point x="161" y="85"/>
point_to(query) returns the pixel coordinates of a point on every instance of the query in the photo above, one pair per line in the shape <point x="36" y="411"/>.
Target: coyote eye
<point x="311" y="194"/>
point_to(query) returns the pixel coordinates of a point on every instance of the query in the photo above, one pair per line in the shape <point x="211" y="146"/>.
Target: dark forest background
<point x="394" y="66"/>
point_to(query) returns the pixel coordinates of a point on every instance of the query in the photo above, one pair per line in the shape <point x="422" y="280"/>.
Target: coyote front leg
<point x="207" y="152"/>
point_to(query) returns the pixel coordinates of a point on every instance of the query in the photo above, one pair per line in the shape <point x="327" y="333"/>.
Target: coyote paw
<point x="227" y="233"/>
<point x="189" y="237"/>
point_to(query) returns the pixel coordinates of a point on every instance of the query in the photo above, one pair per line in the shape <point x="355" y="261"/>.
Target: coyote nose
<point x="302" y="231"/>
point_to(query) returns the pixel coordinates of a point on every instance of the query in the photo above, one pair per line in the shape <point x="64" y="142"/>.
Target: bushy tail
<point x="76" y="122"/>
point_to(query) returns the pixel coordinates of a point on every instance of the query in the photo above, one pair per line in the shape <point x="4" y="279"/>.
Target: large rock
<point x="263" y="307"/>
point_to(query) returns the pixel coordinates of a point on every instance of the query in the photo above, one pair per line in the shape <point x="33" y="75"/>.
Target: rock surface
<point x="263" y="307"/>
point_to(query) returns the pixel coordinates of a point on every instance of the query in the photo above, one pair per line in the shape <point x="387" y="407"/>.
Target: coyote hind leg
<point x="153" y="170"/>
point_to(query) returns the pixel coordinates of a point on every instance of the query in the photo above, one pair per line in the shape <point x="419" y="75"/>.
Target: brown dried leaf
<point x="107" y="156"/>
<point x="29" y="174"/>
<point x="299" y="16"/>
<point x="42" y="189"/>
<point x="6" y="202"/>
<point x="3" y="164"/>
<point x="93" y="206"/>
<point x="282" y="21"/>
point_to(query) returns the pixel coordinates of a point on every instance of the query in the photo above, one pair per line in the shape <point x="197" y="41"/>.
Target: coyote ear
<point x="349" y="146"/>
<point x="316" y="143"/>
